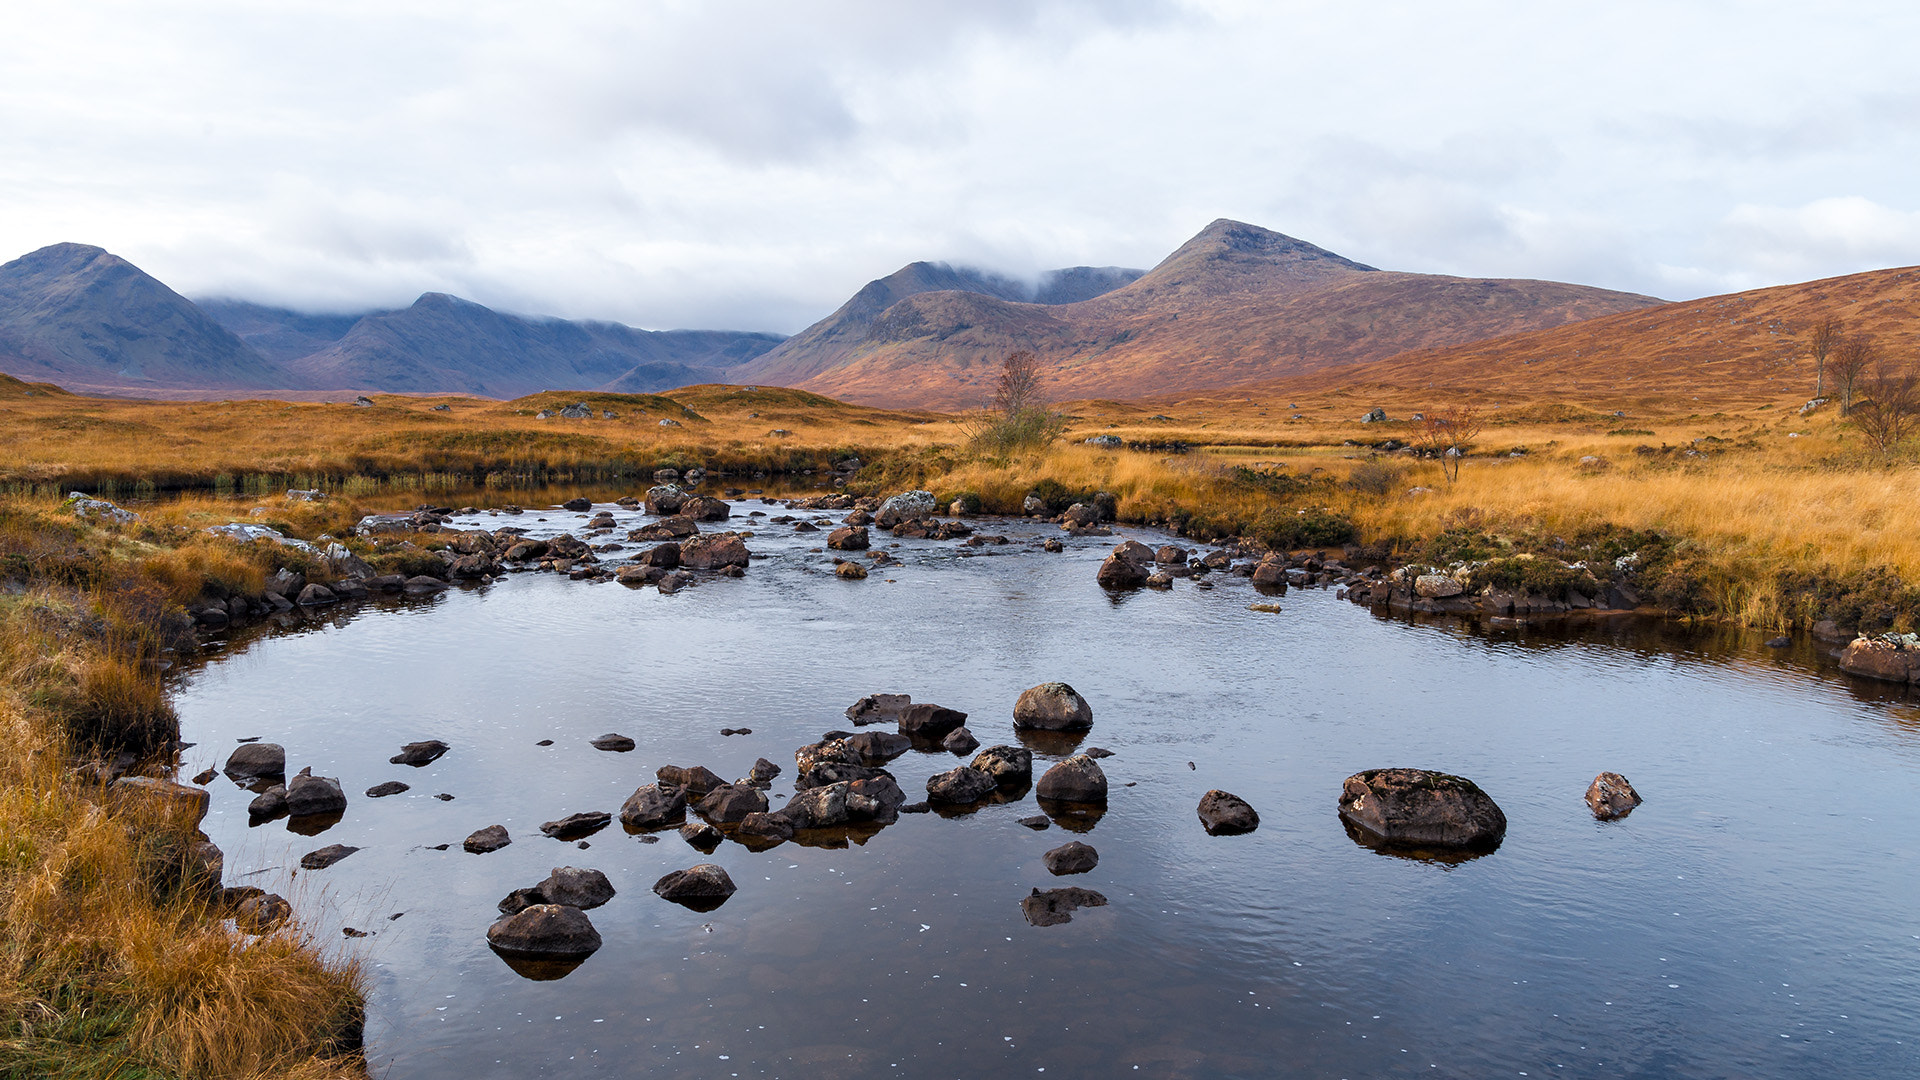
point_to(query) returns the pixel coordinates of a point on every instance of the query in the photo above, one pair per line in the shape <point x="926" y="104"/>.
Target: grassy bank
<point x="114" y="960"/>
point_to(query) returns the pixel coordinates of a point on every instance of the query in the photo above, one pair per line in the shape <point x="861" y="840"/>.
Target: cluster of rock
<point x="1133" y="565"/>
<point x="1455" y="590"/>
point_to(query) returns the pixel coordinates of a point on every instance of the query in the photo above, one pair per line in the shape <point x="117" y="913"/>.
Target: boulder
<point x="391" y="787"/>
<point x="878" y="798"/>
<point x="1876" y="658"/>
<point x="877" y="708"/>
<point x="325" y="857"/>
<point x="701" y="835"/>
<point x="267" y="805"/>
<point x="818" y="808"/>
<point x="262" y="913"/>
<point x="575" y="887"/>
<point x="1053" y="706"/>
<point x="612" y="742"/>
<point x="849" y="538"/>
<point x="706" y="508"/>
<point x="711" y="551"/>
<point x="763" y="771"/>
<point x="422" y="585"/>
<point x="674" y="580"/>
<point x="1080" y="516"/>
<point x="578" y="503"/>
<point x="1133" y="551"/>
<point x="835" y="772"/>
<point x="183" y="805"/>
<point x="1610" y="796"/>
<point x="1170" y="554"/>
<point x="1118" y="573"/>
<point x="959" y="741"/>
<point x="930" y="721"/>
<point x="697" y="781"/>
<point x="254" y="760"/>
<point x="1072" y="857"/>
<point x="520" y="900"/>
<point x="832" y="748"/>
<point x="850" y="571"/>
<point x="1438" y="586"/>
<point x="1009" y="765"/>
<point x="1226" y="814"/>
<point x="665" y="499"/>
<point x="1077" y="779"/>
<point x="729" y="804"/>
<point x="764" y="827"/>
<point x="418" y="754"/>
<point x="906" y="506"/>
<point x="1422" y="808"/>
<point x="877" y="747"/>
<point x="491" y="838"/>
<point x="703" y="882"/>
<point x="654" y="807"/>
<point x="308" y="795"/>
<point x="1056" y="906"/>
<point x="545" y="931"/>
<point x="664" y="556"/>
<point x="960" y="786"/>
<point x="575" y="826"/>
<point x="315" y="595"/>
<point x="1271" y="573"/>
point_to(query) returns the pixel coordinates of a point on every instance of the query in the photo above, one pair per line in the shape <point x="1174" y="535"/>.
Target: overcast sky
<point x="749" y="165"/>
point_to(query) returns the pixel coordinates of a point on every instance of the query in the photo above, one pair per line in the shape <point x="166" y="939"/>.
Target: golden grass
<point x="110" y="966"/>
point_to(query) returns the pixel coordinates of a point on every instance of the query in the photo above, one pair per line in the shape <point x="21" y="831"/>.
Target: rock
<point x="1437" y="586"/>
<point x="878" y="798"/>
<point x="1053" y="706"/>
<point x="1421" y="807"/>
<point x="878" y="708"/>
<point x="316" y="595"/>
<point x="256" y="760"/>
<point x="267" y="805"/>
<point x="850" y="571"/>
<point x="674" y="580"/>
<point x="422" y="585"/>
<point x="1118" y="573"/>
<point x="578" y="503"/>
<point x="763" y="771"/>
<point x="391" y="787"/>
<point x="930" y="721"/>
<point x="878" y="747"/>
<point x="1072" y="857"/>
<point x="1133" y="551"/>
<point x="705" y="882"/>
<point x="664" y="499"/>
<point x="818" y="808"/>
<point x="711" y="551"/>
<point x="849" y="538"/>
<point x="729" y="804"/>
<point x="261" y="914"/>
<point x="697" y="780"/>
<point x="960" y="786"/>
<point x="1052" y="545"/>
<point x="764" y="827"/>
<point x="706" y="508"/>
<point x="1374" y="416"/>
<point x="612" y="742"/>
<point x="1159" y="580"/>
<point x="205" y="776"/>
<point x="1036" y="822"/>
<point x="835" y="772"/>
<point x="1225" y="814"/>
<point x="417" y="754"/>
<point x="1779" y="642"/>
<point x="959" y="741"/>
<point x="1008" y="765"/>
<point x="308" y="795"/>
<point x="1077" y="779"/>
<point x="1271" y="573"/>
<point x="906" y="506"/>
<point x="1876" y="658"/>
<point x="547" y="931"/>
<point x="1610" y="796"/>
<point x="584" y="889"/>
<point x="701" y="835"/>
<point x="670" y="528"/>
<point x="491" y="838"/>
<point x="1056" y="906"/>
<point x="1033" y="505"/>
<point x="575" y="826"/>
<point x="654" y="807"/>
<point x="1170" y="555"/>
<point x="325" y="857"/>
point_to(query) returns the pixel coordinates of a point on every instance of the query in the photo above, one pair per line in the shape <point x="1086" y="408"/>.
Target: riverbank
<point x="117" y="957"/>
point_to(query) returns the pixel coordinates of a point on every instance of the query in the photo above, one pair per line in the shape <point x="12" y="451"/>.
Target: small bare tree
<point x="1826" y="334"/>
<point x="1017" y="416"/>
<point x="1891" y="404"/>
<point x="1852" y="356"/>
<point x="1448" y="434"/>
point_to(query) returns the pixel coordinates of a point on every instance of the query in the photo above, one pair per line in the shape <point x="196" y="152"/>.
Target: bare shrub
<point x="1017" y="417"/>
<point x="1891" y="404"/>
<point x="1375" y="477"/>
<point x="1448" y="434"/>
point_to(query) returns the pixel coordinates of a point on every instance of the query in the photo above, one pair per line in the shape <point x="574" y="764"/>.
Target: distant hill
<point x="445" y="344"/>
<point x="278" y="333"/>
<point x="1742" y="345"/>
<point x="1235" y="305"/>
<point x="91" y="321"/>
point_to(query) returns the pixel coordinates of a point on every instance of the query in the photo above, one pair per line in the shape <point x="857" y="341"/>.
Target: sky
<point x="749" y="165"/>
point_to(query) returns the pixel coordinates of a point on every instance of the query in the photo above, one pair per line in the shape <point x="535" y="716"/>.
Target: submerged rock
<point x="1610" y="796"/>
<point x="391" y="787"/>
<point x="612" y="742"/>
<point x="877" y="709"/>
<point x="1226" y="814"/>
<point x="1419" y="807"/>
<point x="1056" y="906"/>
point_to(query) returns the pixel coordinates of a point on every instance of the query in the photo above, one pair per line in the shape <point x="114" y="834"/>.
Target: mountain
<point x="841" y="336"/>
<point x="443" y="344"/>
<point x="1235" y="305"/>
<point x="278" y="333"/>
<point x="1744" y="345"/>
<point x="91" y="321"/>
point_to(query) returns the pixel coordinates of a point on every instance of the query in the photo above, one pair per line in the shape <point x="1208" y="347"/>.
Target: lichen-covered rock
<point x="1610" y="796"/>
<point x="1419" y="807"/>
<point x="1438" y="586"/>
<point x="1053" y="706"/>
<point x="958" y="787"/>
<point x="1006" y="764"/>
<point x="906" y="506"/>
<point x="850" y="571"/>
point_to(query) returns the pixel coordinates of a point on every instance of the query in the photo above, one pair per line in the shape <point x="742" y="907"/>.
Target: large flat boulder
<point x="1422" y="808"/>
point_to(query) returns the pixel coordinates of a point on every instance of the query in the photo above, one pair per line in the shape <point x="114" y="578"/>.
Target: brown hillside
<point x="1235" y="305"/>
<point x="1741" y="346"/>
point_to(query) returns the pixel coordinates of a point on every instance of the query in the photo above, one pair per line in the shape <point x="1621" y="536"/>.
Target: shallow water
<point x="1753" y="918"/>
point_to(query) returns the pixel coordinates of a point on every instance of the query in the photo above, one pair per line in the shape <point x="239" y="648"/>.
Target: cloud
<point x="1817" y="239"/>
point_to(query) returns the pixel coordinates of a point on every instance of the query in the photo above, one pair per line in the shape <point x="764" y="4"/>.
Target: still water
<point x="1754" y="918"/>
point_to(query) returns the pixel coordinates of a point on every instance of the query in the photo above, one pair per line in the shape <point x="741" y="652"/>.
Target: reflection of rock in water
<point x="1050" y="743"/>
<point x="1073" y="816"/>
<point x="1056" y="906"/>
<point x="314" y="824"/>
<point x="536" y="969"/>
<point x="1413" y="852"/>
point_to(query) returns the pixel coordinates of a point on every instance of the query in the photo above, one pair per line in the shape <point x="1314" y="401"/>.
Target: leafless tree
<point x="1448" y="434"/>
<point x="1826" y="334"/>
<point x="1017" y="415"/>
<point x="1890" y="407"/>
<point x="1852" y="356"/>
